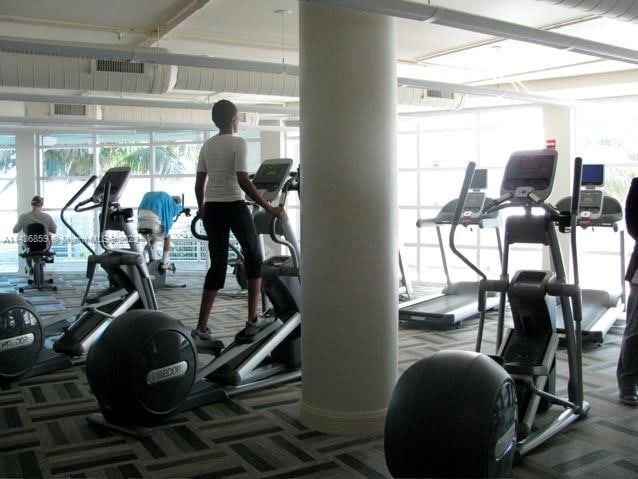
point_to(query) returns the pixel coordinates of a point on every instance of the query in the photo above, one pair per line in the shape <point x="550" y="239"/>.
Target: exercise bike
<point x="156" y="267"/>
<point x="28" y="345"/>
<point x="145" y="366"/>
<point x="481" y="409"/>
<point x="38" y="251"/>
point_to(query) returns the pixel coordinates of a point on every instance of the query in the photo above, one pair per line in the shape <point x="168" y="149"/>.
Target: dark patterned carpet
<point x="44" y="431"/>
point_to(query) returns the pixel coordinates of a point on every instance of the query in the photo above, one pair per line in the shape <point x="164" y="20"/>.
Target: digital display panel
<point x="117" y="177"/>
<point x="593" y="175"/>
<point x="531" y="170"/>
<point x="592" y="199"/>
<point x="474" y="200"/>
<point x="273" y="173"/>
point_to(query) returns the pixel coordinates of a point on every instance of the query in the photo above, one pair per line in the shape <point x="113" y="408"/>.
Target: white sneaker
<point x="253" y="327"/>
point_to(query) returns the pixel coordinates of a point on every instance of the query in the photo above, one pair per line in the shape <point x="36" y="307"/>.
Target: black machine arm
<point x="104" y="215"/>
<point x="78" y="208"/>
<point x="292" y="184"/>
<point x="575" y="204"/>
<point x="194" y="231"/>
<point x="469" y="174"/>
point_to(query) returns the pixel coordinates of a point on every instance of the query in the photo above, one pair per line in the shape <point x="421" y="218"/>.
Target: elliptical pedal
<point x="209" y="346"/>
<point x="242" y="338"/>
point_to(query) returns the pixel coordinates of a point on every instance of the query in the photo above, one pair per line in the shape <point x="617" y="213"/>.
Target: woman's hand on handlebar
<point x="277" y="211"/>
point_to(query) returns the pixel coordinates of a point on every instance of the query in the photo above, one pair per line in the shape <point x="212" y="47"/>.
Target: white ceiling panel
<point x="251" y="30"/>
<point x="124" y="14"/>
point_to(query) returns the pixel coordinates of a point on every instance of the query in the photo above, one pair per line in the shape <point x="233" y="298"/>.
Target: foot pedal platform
<point x="209" y="346"/>
<point x="242" y="338"/>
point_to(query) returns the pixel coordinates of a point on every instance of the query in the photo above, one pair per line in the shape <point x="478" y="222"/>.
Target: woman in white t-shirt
<point x="222" y="180"/>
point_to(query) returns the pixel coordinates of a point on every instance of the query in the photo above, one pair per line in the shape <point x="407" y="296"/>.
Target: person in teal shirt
<point x="157" y="212"/>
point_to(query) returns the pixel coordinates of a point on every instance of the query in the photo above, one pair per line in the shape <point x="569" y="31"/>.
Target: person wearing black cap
<point x="36" y="215"/>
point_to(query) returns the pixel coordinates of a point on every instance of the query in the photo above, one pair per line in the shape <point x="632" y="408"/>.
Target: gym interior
<point x="410" y="128"/>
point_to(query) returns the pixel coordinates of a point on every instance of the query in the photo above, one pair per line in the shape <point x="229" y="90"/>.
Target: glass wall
<point x="432" y="155"/>
<point x="8" y="204"/>
<point x="607" y="134"/>
<point x="160" y="161"/>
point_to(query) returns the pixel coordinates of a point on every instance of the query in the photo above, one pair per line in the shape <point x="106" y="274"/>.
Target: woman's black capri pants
<point x="219" y="219"/>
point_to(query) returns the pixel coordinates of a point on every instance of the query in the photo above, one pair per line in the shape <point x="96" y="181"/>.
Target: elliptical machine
<point x="145" y="368"/>
<point x="482" y="408"/>
<point x="29" y="347"/>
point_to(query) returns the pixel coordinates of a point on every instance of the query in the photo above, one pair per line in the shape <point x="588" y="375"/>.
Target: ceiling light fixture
<point x="283" y="13"/>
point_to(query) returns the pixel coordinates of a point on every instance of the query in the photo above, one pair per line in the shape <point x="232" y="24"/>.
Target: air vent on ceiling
<point x="119" y="66"/>
<point x="70" y="110"/>
<point x="440" y="94"/>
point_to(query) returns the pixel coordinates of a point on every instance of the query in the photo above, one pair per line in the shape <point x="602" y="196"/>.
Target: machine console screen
<point x="590" y="200"/>
<point x="535" y="171"/>
<point x="271" y="174"/>
<point x="479" y="180"/>
<point x="474" y="201"/>
<point x="593" y="175"/>
<point x="117" y="177"/>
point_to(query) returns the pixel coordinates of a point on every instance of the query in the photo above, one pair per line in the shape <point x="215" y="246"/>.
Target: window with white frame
<point x="607" y="133"/>
<point x="159" y="161"/>
<point x="8" y="204"/>
<point x="433" y="153"/>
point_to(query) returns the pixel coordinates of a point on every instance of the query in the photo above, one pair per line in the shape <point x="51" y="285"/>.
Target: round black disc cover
<point x="21" y="336"/>
<point x="142" y="368"/>
<point x="452" y="414"/>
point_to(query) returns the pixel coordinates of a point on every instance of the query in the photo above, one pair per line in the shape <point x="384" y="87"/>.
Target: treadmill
<point x="457" y="301"/>
<point x="601" y="308"/>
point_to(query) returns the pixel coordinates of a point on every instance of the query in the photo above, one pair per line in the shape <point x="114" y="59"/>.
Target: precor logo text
<point x="17" y="342"/>
<point x="167" y="373"/>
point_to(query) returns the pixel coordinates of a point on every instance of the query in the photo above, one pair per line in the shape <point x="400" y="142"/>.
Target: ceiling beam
<point x="485" y="91"/>
<point x="183" y="14"/>
<point x="94" y="100"/>
<point x="56" y="123"/>
<point x="487" y="26"/>
<point x="140" y="55"/>
<point x="154" y="56"/>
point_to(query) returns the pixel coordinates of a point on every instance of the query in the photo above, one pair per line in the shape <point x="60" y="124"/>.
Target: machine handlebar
<point x="467" y="181"/>
<point x="460" y="204"/>
<point x="194" y="232"/>
<point x="77" y="208"/>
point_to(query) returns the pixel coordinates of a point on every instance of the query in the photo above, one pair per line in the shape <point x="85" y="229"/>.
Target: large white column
<point x="25" y="169"/>
<point x="25" y="174"/>
<point x="348" y="218"/>
<point x="558" y="124"/>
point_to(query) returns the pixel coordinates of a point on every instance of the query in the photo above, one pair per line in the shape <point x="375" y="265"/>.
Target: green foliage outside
<point x="7" y="160"/>
<point x="169" y="160"/>
<point x="7" y="164"/>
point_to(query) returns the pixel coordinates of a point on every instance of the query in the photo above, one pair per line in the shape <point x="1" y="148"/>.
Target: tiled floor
<point x="44" y="432"/>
